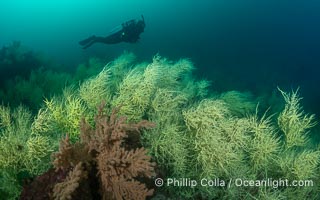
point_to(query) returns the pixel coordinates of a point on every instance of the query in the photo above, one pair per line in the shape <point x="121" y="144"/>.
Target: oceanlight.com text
<point x="236" y="182"/>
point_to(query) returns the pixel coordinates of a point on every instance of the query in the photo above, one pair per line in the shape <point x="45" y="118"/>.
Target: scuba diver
<point x="128" y="32"/>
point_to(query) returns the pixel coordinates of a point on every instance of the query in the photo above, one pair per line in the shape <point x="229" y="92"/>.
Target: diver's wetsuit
<point x="129" y="33"/>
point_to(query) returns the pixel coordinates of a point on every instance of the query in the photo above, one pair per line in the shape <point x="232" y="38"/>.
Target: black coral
<point x="118" y="168"/>
<point x="103" y="151"/>
<point x="65" y="189"/>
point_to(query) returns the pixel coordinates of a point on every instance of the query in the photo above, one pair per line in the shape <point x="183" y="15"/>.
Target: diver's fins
<point x="87" y="41"/>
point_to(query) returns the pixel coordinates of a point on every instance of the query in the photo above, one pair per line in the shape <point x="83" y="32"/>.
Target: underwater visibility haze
<point x="190" y="100"/>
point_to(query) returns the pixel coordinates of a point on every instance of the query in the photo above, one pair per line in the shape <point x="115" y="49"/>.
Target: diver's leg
<point x="91" y="40"/>
<point x="112" y="39"/>
<point x="102" y="40"/>
<point x="89" y="44"/>
<point x="94" y="40"/>
<point x="87" y="40"/>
